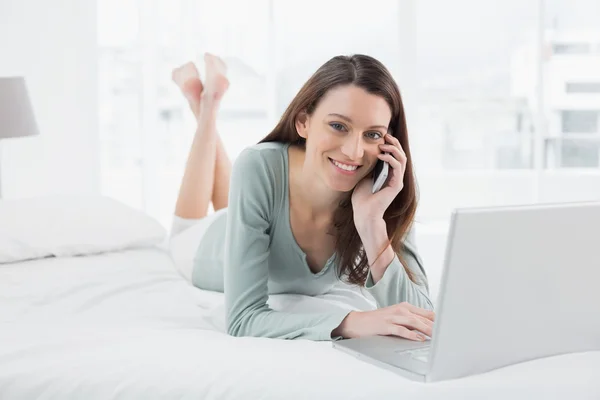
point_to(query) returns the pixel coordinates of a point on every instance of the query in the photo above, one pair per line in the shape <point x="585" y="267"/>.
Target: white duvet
<point x="127" y="326"/>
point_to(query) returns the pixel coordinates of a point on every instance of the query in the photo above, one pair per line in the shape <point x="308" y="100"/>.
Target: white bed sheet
<point x="126" y="325"/>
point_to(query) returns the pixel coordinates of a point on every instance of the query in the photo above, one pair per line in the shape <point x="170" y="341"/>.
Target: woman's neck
<point x="310" y="196"/>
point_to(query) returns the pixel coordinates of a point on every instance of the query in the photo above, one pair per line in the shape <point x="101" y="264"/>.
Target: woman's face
<point x="343" y="136"/>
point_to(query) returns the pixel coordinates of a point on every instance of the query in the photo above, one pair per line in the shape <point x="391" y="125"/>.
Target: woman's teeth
<point x="345" y="166"/>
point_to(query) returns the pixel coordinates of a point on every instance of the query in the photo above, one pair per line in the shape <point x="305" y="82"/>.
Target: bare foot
<point x="187" y="79"/>
<point x="216" y="83"/>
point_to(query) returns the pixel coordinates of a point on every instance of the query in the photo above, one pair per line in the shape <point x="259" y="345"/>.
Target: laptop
<point x="519" y="283"/>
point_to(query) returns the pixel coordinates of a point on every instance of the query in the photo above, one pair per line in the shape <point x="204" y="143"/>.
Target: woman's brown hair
<point x="371" y="75"/>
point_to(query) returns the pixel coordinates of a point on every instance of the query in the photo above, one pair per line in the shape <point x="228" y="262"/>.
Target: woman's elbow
<point x="238" y="324"/>
<point x="233" y="326"/>
<point x="246" y="324"/>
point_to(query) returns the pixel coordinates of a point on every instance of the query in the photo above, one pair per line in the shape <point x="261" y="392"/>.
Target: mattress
<point x="126" y="325"/>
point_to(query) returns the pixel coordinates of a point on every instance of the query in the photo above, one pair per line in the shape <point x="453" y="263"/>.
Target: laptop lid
<point x="519" y="283"/>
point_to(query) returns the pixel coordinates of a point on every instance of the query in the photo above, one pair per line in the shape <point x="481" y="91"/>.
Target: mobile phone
<point x="380" y="174"/>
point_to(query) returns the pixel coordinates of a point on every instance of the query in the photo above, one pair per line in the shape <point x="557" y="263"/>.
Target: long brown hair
<point x="371" y="75"/>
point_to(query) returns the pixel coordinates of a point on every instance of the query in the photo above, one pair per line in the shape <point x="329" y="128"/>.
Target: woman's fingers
<point x="391" y="140"/>
<point x="430" y="315"/>
<point x="401" y="331"/>
<point x="425" y="321"/>
<point x="393" y="161"/>
<point x="413" y="322"/>
<point x="394" y="151"/>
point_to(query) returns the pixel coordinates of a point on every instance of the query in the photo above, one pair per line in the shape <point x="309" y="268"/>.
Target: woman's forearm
<point x="377" y="247"/>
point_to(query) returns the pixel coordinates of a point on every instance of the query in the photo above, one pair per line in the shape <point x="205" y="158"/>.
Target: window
<point x="579" y="154"/>
<point x="475" y="81"/>
<point x="119" y="101"/>
<point x="583" y="87"/>
<point x="340" y="27"/>
<point x="579" y="143"/>
<point x="580" y="121"/>
<point x="571" y="48"/>
<point x="571" y="85"/>
<point x="494" y="117"/>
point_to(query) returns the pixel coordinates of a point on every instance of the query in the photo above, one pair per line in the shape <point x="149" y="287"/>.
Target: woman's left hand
<point x="370" y="206"/>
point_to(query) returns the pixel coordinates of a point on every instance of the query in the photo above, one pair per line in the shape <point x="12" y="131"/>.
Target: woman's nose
<point x="353" y="148"/>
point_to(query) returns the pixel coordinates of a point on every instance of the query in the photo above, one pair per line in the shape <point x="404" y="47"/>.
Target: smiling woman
<point x="300" y="213"/>
<point x="338" y="108"/>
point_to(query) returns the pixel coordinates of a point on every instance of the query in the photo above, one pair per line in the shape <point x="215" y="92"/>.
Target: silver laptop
<point x="519" y="283"/>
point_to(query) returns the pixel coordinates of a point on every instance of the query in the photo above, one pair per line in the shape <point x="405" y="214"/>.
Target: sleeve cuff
<point x="391" y="272"/>
<point x="332" y="323"/>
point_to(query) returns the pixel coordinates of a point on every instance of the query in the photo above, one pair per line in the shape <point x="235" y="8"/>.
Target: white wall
<point x="52" y="44"/>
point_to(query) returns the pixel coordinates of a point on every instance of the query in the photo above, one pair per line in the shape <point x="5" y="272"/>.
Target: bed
<point x="87" y="317"/>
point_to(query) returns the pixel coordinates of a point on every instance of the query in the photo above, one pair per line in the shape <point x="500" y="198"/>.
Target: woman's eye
<point x="374" y="135"/>
<point x="336" y="126"/>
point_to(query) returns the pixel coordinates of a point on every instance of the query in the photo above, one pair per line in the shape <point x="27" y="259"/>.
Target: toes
<point x="208" y="57"/>
<point x="220" y="65"/>
<point x="214" y="64"/>
<point x="216" y="82"/>
<point x="184" y="73"/>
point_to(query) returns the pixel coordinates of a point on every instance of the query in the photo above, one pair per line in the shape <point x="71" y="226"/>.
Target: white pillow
<point x="72" y="225"/>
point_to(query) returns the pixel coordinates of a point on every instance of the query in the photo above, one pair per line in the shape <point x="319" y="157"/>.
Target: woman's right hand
<point x="403" y="320"/>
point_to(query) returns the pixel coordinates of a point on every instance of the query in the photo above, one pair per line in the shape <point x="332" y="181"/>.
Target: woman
<point x="299" y="213"/>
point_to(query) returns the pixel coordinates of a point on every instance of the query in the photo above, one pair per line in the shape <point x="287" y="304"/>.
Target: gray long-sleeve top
<point x="253" y="245"/>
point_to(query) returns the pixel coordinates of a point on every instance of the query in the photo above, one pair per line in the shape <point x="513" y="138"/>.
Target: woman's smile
<point x="343" y="168"/>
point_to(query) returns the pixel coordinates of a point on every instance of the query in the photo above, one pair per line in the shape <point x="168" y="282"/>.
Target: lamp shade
<point x="16" y="111"/>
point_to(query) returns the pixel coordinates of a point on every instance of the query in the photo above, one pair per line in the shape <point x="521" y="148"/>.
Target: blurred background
<point x="502" y="97"/>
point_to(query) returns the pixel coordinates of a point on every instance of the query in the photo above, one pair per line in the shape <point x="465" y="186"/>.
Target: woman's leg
<point x="220" y="197"/>
<point x="207" y="166"/>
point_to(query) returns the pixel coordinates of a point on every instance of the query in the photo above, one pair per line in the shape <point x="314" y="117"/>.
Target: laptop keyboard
<point x="421" y="354"/>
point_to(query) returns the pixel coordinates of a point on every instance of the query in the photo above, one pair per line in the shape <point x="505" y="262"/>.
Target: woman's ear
<point x="302" y="124"/>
